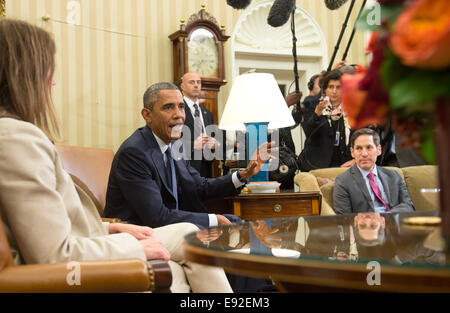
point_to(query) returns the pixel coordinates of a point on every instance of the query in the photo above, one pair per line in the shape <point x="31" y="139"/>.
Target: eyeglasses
<point x="372" y="226"/>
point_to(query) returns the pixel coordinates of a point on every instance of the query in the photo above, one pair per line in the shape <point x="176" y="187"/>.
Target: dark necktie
<point x="172" y="178"/>
<point x="198" y="125"/>
<point x="376" y="191"/>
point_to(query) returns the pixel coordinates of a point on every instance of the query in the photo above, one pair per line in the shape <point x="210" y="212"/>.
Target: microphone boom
<point x="334" y="4"/>
<point x="239" y="4"/>
<point x="280" y="12"/>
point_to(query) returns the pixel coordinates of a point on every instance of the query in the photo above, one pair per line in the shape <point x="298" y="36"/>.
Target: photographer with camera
<point x="326" y="128"/>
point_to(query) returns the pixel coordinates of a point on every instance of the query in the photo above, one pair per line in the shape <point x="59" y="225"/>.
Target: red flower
<point x="361" y="110"/>
<point x="364" y="98"/>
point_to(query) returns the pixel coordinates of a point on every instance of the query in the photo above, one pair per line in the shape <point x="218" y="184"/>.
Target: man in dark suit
<point x="366" y="187"/>
<point x="198" y="119"/>
<point x="150" y="182"/>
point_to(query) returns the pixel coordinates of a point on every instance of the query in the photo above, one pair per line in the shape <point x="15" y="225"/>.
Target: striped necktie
<point x="172" y="177"/>
<point x="198" y="125"/>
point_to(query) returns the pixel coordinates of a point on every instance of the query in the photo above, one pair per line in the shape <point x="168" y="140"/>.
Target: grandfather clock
<point x="2" y="8"/>
<point x="199" y="47"/>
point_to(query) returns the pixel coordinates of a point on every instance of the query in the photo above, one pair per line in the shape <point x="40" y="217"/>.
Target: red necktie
<point x="376" y="191"/>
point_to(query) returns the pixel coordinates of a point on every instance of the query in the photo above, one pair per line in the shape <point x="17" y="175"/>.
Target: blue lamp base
<point x="256" y="134"/>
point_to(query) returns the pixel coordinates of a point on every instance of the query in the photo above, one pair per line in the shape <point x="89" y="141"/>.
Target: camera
<point x="327" y="99"/>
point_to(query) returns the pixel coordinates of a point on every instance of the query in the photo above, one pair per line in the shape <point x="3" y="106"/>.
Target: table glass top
<point x="353" y="238"/>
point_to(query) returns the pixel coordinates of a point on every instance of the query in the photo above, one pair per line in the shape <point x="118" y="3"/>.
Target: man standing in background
<point x="198" y="118"/>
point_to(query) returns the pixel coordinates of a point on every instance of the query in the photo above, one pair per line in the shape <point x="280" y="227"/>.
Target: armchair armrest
<point x="163" y="275"/>
<point x="306" y="182"/>
<point x="126" y="275"/>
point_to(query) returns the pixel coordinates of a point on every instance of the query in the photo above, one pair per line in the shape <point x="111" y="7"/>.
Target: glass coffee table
<point x="357" y="252"/>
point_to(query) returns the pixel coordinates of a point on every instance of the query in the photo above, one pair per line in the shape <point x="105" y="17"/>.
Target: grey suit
<point x="350" y="193"/>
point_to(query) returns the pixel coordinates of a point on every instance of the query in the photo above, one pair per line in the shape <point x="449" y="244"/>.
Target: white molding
<point x="256" y="45"/>
<point x="252" y="34"/>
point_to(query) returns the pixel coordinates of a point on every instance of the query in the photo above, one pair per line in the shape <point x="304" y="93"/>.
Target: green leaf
<point x="392" y="69"/>
<point x="428" y="147"/>
<point x="418" y="89"/>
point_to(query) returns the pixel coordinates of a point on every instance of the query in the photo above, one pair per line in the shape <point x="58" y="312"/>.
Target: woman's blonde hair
<point x="27" y="63"/>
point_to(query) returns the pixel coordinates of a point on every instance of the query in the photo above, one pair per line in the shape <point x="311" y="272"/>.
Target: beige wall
<point x="121" y="46"/>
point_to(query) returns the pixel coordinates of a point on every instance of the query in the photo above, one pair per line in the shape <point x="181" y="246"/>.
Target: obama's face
<point x="166" y="117"/>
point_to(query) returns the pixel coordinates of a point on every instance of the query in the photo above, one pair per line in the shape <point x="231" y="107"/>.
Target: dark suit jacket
<point x="204" y="167"/>
<point x="138" y="191"/>
<point x="350" y="193"/>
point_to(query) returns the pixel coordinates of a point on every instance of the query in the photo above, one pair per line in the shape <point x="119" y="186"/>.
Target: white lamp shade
<point x="255" y="98"/>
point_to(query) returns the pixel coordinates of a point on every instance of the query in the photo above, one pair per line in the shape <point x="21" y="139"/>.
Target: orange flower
<point x="352" y="97"/>
<point x="421" y="35"/>
<point x="360" y="108"/>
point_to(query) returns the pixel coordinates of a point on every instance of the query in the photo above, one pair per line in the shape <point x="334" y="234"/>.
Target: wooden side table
<point x="252" y="206"/>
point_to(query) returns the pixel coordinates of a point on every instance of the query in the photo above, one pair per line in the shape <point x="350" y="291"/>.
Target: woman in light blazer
<point x="46" y="218"/>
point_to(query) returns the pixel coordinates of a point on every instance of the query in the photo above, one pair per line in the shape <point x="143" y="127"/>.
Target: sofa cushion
<point x="331" y="172"/>
<point x="418" y="177"/>
<point x="397" y="169"/>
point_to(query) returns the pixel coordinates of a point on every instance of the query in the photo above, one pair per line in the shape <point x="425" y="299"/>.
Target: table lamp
<point x="256" y="101"/>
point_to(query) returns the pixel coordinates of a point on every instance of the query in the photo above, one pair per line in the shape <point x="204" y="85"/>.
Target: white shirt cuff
<point x="213" y="220"/>
<point x="236" y="182"/>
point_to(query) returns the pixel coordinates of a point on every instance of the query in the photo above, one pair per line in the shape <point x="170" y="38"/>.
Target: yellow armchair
<point x="126" y="275"/>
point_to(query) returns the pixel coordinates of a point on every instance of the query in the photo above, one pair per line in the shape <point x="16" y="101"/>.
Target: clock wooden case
<point x="198" y="46"/>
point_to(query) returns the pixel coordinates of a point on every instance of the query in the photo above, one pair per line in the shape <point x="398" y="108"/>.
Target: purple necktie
<point x="376" y="191"/>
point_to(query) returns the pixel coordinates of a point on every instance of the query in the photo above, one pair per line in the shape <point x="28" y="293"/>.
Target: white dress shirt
<point x="190" y="104"/>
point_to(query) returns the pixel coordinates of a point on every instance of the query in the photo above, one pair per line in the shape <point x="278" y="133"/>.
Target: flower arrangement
<point x="409" y="72"/>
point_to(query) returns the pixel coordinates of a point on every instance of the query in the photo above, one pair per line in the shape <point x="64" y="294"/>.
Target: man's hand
<point x="154" y="249"/>
<point x="202" y="141"/>
<point x="266" y="234"/>
<point x="139" y="232"/>
<point x="259" y="157"/>
<point x="293" y="98"/>
<point x="222" y="220"/>
<point x="339" y="64"/>
<point x="208" y="235"/>
<point x="349" y="163"/>
<point x="321" y="106"/>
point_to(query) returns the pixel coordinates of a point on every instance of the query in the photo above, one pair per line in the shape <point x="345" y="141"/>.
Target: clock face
<point x="203" y="54"/>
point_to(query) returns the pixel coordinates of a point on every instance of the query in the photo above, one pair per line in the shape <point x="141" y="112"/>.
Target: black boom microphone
<point x="336" y="48"/>
<point x="334" y="4"/>
<point x="344" y="56"/>
<point x="239" y="4"/>
<point x="280" y="12"/>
